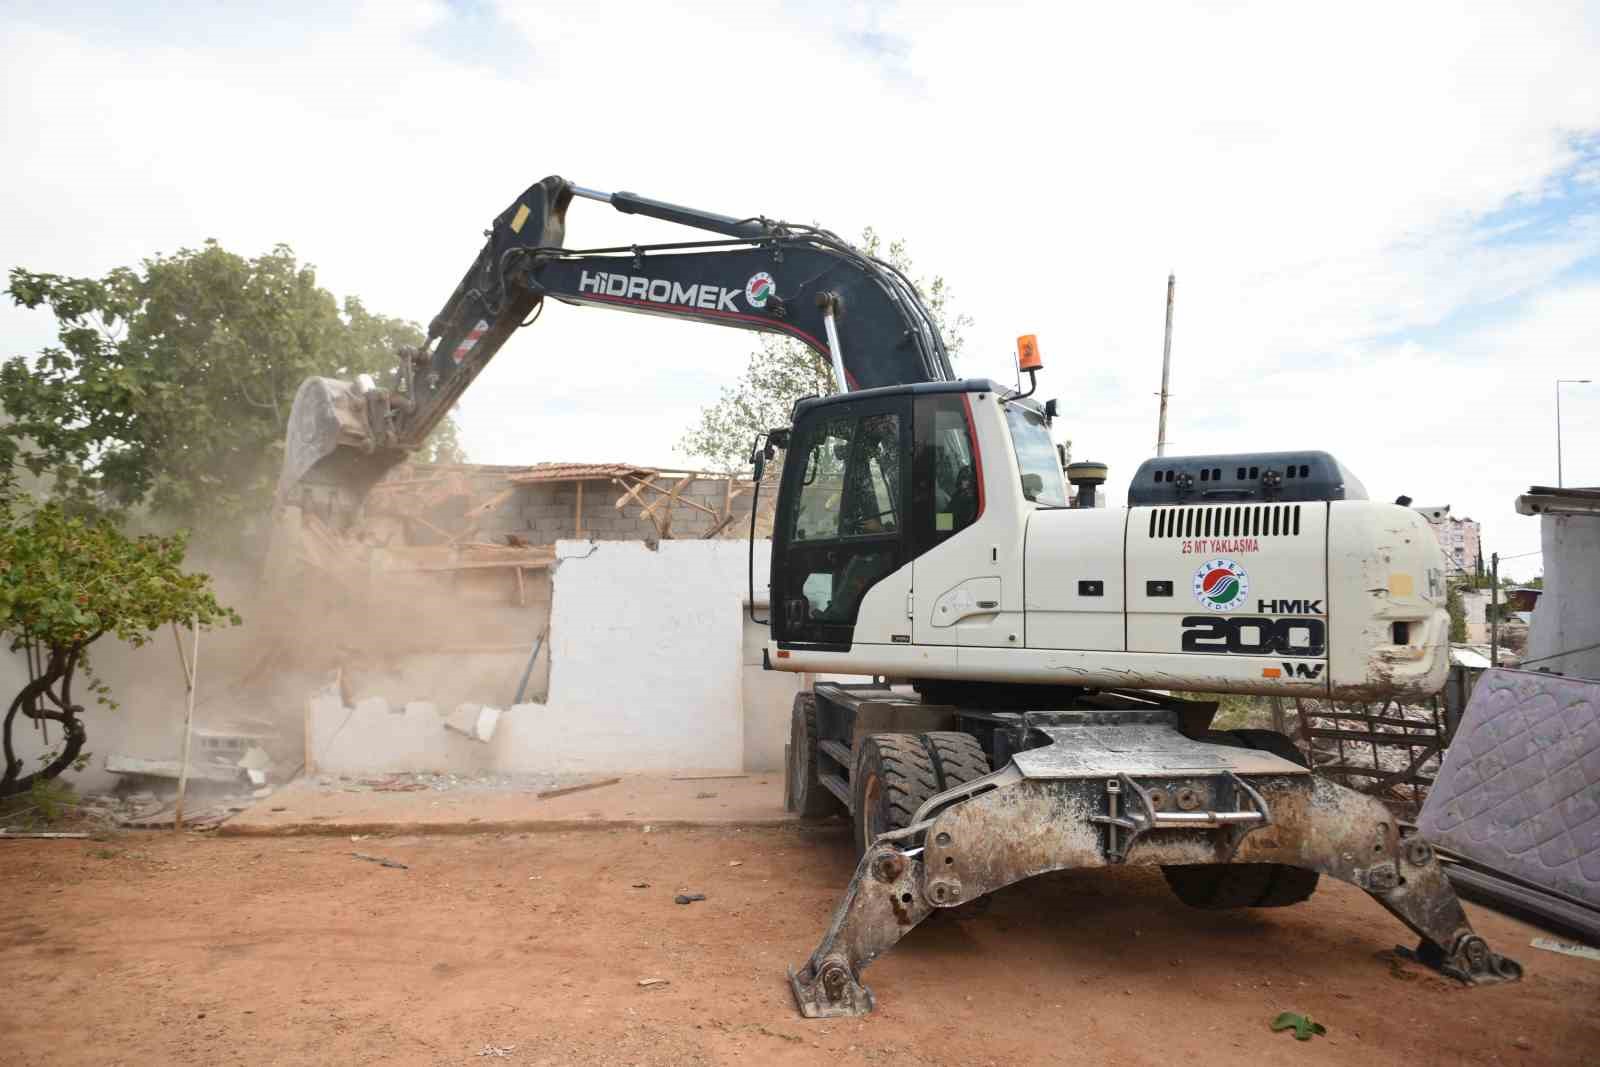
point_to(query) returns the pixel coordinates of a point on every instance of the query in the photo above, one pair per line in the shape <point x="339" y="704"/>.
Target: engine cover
<point x="1217" y="479"/>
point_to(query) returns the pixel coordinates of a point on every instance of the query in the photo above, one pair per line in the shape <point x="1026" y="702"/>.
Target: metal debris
<point x="380" y="861"/>
<point x="650" y="983"/>
<point x="1567" y="948"/>
<point x="564" y="790"/>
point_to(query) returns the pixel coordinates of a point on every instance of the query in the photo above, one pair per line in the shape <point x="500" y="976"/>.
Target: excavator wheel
<point x="807" y="795"/>
<point x="1221" y="886"/>
<point x="893" y="775"/>
<point x="958" y="758"/>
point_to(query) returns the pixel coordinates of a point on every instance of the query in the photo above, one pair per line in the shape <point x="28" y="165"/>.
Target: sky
<point x="1384" y="218"/>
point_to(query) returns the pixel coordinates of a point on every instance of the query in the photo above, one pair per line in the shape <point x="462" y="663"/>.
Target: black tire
<point x="892" y="777"/>
<point x="1222" y="886"/>
<point x="957" y="758"/>
<point x="807" y="795"/>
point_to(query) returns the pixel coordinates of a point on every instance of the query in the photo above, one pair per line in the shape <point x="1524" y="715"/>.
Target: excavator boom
<point x="856" y="311"/>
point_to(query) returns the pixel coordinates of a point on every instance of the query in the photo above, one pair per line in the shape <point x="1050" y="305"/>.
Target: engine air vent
<point x="1234" y="520"/>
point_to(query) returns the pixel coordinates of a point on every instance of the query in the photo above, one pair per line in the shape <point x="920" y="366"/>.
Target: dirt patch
<point x="149" y="949"/>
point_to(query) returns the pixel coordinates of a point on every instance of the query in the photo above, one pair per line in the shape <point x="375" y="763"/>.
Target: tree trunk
<point x="58" y="669"/>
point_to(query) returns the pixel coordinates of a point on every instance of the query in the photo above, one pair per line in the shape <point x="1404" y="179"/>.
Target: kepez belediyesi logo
<point x="759" y="289"/>
<point x="1221" y="585"/>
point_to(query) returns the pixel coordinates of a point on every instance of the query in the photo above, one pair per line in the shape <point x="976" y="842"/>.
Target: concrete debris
<point x="476" y="721"/>
<point x="171" y="768"/>
<point x="264" y="791"/>
<point x="497" y="1050"/>
<point x="256" y="777"/>
<point x="31" y="834"/>
<point x="255" y="758"/>
<point x="688" y="898"/>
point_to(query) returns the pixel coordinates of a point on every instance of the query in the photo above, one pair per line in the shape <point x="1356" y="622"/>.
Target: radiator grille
<point x="1225" y="520"/>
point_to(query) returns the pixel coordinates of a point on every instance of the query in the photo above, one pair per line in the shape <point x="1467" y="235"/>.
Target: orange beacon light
<point x="1028" y="353"/>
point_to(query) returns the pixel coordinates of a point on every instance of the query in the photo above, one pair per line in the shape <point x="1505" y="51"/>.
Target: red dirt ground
<point x="155" y="949"/>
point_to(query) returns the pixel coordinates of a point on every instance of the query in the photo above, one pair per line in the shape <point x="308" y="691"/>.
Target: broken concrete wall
<point x="646" y="654"/>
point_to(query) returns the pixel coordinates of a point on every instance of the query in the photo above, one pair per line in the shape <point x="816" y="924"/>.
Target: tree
<point x="65" y="582"/>
<point x="782" y="370"/>
<point x="1458" y="614"/>
<point x="171" y="383"/>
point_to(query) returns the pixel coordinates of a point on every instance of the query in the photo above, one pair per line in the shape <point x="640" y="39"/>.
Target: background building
<point x="1457" y="537"/>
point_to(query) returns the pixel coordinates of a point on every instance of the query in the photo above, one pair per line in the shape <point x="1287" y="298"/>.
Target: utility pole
<point x="1494" y="610"/>
<point x="1166" y="369"/>
<point x="1559" y="383"/>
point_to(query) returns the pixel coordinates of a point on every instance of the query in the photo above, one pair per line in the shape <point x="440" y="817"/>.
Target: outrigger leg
<point x="1210" y="804"/>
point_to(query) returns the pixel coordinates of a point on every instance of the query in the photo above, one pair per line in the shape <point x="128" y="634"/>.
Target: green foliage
<point x="43" y="804"/>
<point x="1458" y="614"/>
<point x="171" y="383"/>
<point x="66" y="581"/>
<point x="782" y="370"/>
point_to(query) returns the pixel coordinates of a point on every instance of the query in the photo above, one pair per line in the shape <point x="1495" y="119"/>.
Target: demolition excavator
<point x="1024" y="640"/>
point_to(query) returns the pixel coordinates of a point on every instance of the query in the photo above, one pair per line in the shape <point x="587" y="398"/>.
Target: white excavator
<point x="1026" y="643"/>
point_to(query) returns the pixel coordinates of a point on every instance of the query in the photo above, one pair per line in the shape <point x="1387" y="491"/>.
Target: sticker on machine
<point x="759" y="289"/>
<point x="1221" y="585"/>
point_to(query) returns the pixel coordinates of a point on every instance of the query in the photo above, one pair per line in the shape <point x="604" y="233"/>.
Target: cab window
<point x="948" y="498"/>
<point x="1037" y="458"/>
<point x="844" y="532"/>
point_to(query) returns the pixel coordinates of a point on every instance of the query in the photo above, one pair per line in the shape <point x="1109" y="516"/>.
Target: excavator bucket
<point x="1102" y="793"/>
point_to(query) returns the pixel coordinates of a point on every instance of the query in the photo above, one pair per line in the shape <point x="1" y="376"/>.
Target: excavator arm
<point x="856" y="311"/>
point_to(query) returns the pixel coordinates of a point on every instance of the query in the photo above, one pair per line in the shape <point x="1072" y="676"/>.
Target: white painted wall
<point x="646" y="673"/>
<point x="1568" y="615"/>
<point x="767" y="697"/>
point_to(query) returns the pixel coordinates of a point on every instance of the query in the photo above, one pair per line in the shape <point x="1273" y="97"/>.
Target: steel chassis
<point x="1104" y="788"/>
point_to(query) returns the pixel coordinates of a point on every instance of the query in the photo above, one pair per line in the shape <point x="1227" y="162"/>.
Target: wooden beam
<point x="441" y="532"/>
<point x="522" y="590"/>
<point x="579" y="521"/>
<point x="474" y="514"/>
<point x="671" y="497"/>
<point x="628" y="497"/>
<point x="722" y="524"/>
<point x="681" y="500"/>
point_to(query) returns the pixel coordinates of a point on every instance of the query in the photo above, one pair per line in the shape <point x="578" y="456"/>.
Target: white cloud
<point x="1317" y="177"/>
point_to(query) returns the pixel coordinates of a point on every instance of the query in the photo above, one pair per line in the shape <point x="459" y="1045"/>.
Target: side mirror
<point x="1050" y="409"/>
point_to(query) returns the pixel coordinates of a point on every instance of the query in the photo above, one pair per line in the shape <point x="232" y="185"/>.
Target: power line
<point x="1558" y="655"/>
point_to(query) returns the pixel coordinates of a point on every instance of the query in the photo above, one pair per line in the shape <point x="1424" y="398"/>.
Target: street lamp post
<point x="1559" y="383"/>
